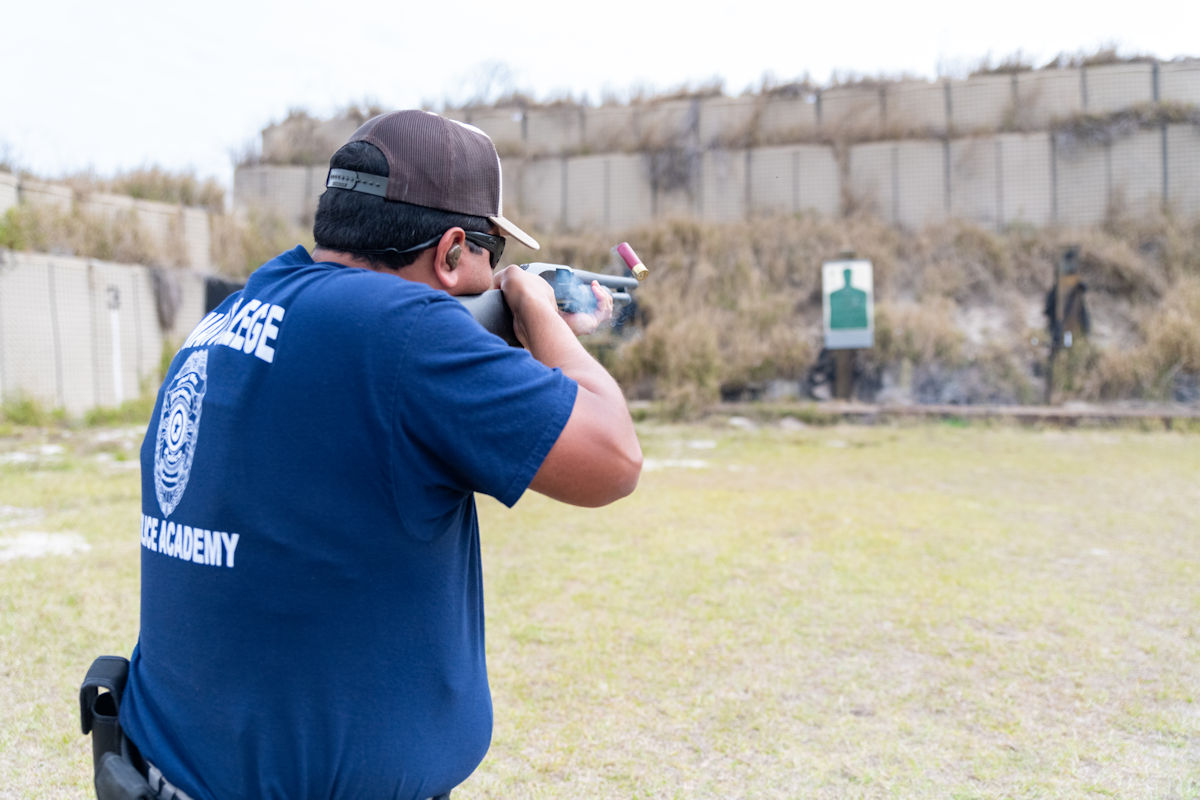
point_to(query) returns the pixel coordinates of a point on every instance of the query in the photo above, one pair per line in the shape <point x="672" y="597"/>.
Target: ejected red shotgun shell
<point x="631" y="260"/>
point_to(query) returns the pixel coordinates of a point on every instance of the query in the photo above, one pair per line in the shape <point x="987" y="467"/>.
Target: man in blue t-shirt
<point x="312" y="604"/>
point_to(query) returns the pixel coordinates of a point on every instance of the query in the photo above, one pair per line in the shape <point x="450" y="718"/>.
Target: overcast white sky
<point x="112" y="86"/>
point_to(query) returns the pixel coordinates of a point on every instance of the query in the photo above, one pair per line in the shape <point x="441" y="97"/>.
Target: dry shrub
<point x="1007" y="65"/>
<point x="956" y="260"/>
<point x="1168" y="243"/>
<point x="77" y="233"/>
<point x="729" y="307"/>
<point x="692" y="352"/>
<point x="120" y="239"/>
<point x="155" y="184"/>
<point x="1168" y="358"/>
<point x="240" y="243"/>
<point x="297" y="140"/>
<point x="1173" y="328"/>
<point x="1116" y="265"/>
<point x="722" y="311"/>
<point x="22" y="228"/>
<point x="674" y="361"/>
<point x="985" y="255"/>
<point x="921" y="333"/>
<point x="166" y="187"/>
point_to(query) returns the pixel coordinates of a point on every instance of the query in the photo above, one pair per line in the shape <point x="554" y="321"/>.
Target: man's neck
<point x="420" y="271"/>
<point x="345" y="259"/>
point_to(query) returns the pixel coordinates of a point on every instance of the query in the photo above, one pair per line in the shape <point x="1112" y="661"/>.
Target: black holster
<point x="116" y="778"/>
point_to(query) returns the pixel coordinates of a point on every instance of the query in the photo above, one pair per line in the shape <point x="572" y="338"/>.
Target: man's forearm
<point x="597" y="458"/>
<point x="550" y="340"/>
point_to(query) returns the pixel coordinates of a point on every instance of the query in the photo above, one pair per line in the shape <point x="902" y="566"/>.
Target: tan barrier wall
<point x="46" y="195"/>
<point x="289" y="191"/>
<point x="1023" y="101"/>
<point x="980" y="149"/>
<point x="994" y="180"/>
<point x="78" y="333"/>
<point x="9" y="192"/>
<point x="181" y="233"/>
<point x="1035" y="178"/>
<point x="1038" y="178"/>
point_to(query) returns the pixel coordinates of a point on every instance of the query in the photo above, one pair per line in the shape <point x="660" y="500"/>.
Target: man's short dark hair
<point x="356" y="223"/>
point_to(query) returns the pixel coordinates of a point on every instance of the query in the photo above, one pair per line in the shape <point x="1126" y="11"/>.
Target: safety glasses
<point x="493" y="244"/>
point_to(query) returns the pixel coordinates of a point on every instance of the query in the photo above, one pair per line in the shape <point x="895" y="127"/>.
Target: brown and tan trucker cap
<point x="436" y="162"/>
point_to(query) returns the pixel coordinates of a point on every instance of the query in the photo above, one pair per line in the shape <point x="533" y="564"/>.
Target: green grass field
<point x="918" y="610"/>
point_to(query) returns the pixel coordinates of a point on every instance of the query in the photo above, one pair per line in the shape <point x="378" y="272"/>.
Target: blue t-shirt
<point x="312" y="603"/>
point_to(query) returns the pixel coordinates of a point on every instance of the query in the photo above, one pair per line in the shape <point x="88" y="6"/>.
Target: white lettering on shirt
<point x="252" y="328"/>
<point x="198" y="545"/>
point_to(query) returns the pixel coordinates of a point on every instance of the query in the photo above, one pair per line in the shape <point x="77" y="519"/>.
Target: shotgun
<point x="572" y="290"/>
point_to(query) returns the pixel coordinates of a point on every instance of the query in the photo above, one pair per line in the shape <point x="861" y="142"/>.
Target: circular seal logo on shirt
<point x="178" y="426"/>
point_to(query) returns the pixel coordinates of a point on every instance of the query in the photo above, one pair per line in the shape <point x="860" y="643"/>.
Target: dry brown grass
<point x="731" y="306"/>
<point x="156" y="184"/>
<point x="1168" y="351"/>
<point x="49" y="230"/>
<point x="239" y="244"/>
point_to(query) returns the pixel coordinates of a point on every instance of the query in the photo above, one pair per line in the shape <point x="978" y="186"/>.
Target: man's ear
<point x="445" y="258"/>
